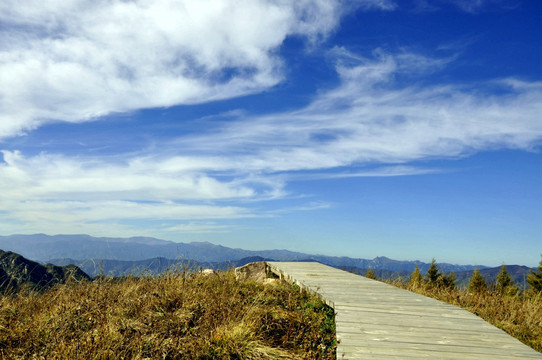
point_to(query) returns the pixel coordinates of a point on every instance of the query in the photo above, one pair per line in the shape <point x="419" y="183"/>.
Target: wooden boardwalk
<point x="379" y="321"/>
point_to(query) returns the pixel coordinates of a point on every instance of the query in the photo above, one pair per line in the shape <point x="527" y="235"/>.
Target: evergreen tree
<point x="477" y="282"/>
<point x="432" y="274"/>
<point x="534" y="279"/>
<point x="416" y="278"/>
<point x="505" y="284"/>
<point x="449" y="281"/>
<point x="370" y="274"/>
<point x="446" y="281"/>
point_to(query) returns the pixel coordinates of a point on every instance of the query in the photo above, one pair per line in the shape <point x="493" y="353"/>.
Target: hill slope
<point x="17" y="271"/>
<point x="172" y="316"/>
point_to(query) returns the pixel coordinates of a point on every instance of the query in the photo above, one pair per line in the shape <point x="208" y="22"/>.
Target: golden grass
<point x="519" y="315"/>
<point x="172" y="316"/>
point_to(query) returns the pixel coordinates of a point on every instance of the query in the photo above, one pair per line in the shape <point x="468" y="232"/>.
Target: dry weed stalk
<point x="172" y="316"/>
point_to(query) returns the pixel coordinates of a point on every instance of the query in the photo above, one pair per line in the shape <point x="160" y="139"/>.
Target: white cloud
<point x="370" y="118"/>
<point x="201" y="228"/>
<point x="78" y="60"/>
<point x="475" y="6"/>
<point x="111" y="218"/>
<point x="55" y="193"/>
<point x="54" y="176"/>
<point x="381" y="171"/>
<point x="469" y="6"/>
<point x="315" y="205"/>
<point x="369" y="122"/>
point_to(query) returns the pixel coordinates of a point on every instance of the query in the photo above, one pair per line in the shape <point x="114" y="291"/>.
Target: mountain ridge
<point x="153" y="266"/>
<point x="43" y="248"/>
<point x="140" y="255"/>
<point x="16" y="272"/>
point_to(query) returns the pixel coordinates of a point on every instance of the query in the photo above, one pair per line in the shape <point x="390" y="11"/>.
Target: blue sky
<point x="407" y="129"/>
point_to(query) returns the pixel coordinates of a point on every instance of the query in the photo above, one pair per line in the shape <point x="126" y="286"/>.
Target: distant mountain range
<point x="137" y="255"/>
<point x="44" y="248"/>
<point x="94" y="267"/>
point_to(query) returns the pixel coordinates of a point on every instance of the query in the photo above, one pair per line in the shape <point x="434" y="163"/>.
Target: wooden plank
<point x="355" y="352"/>
<point x="379" y="321"/>
<point x="443" y="330"/>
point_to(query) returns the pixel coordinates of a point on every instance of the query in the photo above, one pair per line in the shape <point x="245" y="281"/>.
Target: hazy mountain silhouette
<point x="44" y="248"/>
<point x="94" y="267"/>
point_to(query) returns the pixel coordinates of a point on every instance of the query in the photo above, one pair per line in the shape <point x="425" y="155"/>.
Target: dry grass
<point x="519" y="315"/>
<point x="173" y="316"/>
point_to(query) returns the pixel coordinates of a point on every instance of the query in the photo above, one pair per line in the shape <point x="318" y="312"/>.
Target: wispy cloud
<point x="370" y="118"/>
<point x="76" y="61"/>
<point x="111" y="217"/>
<point x="311" y="206"/>
<point x="56" y="176"/>
<point x="475" y="6"/>
<point x="201" y="228"/>
<point x="469" y="6"/>
<point x="380" y="171"/>
<point x="370" y="121"/>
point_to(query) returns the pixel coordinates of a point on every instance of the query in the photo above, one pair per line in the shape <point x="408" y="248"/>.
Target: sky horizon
<point x="367" y="128"/>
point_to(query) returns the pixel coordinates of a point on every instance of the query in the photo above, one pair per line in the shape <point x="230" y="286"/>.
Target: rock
<point x="271" y="282"/>
<point x="208" y="272"/>
<point x="256" y="271"/>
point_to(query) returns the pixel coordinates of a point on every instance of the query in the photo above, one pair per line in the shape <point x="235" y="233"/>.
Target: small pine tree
<point x="446" y="281"/>
<point x="432" y="274"/>
<point x="534" y="279"/>
<point x="370" y="274"/>
<point x="477" y="282"/>
<point x="416" y="278"/>
<point x="505" y="284"/>
<point x="449" y="280"/>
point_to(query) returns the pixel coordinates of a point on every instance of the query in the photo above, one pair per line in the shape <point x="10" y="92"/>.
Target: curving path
<point x="375" y="320"/>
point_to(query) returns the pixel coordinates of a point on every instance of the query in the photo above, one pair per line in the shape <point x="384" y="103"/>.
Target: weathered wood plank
<point x="379" y="321"/>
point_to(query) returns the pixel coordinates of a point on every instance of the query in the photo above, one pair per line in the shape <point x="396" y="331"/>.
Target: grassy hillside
<point x="173" y="316"/>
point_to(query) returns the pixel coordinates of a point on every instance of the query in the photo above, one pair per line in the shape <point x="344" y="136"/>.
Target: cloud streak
<point x="77" y="60"/>
<point x="370" y="118"/>
<point x="370" y="122"/>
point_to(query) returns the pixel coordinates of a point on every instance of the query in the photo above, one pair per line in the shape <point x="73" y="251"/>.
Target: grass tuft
<point x="171" y="316"/>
